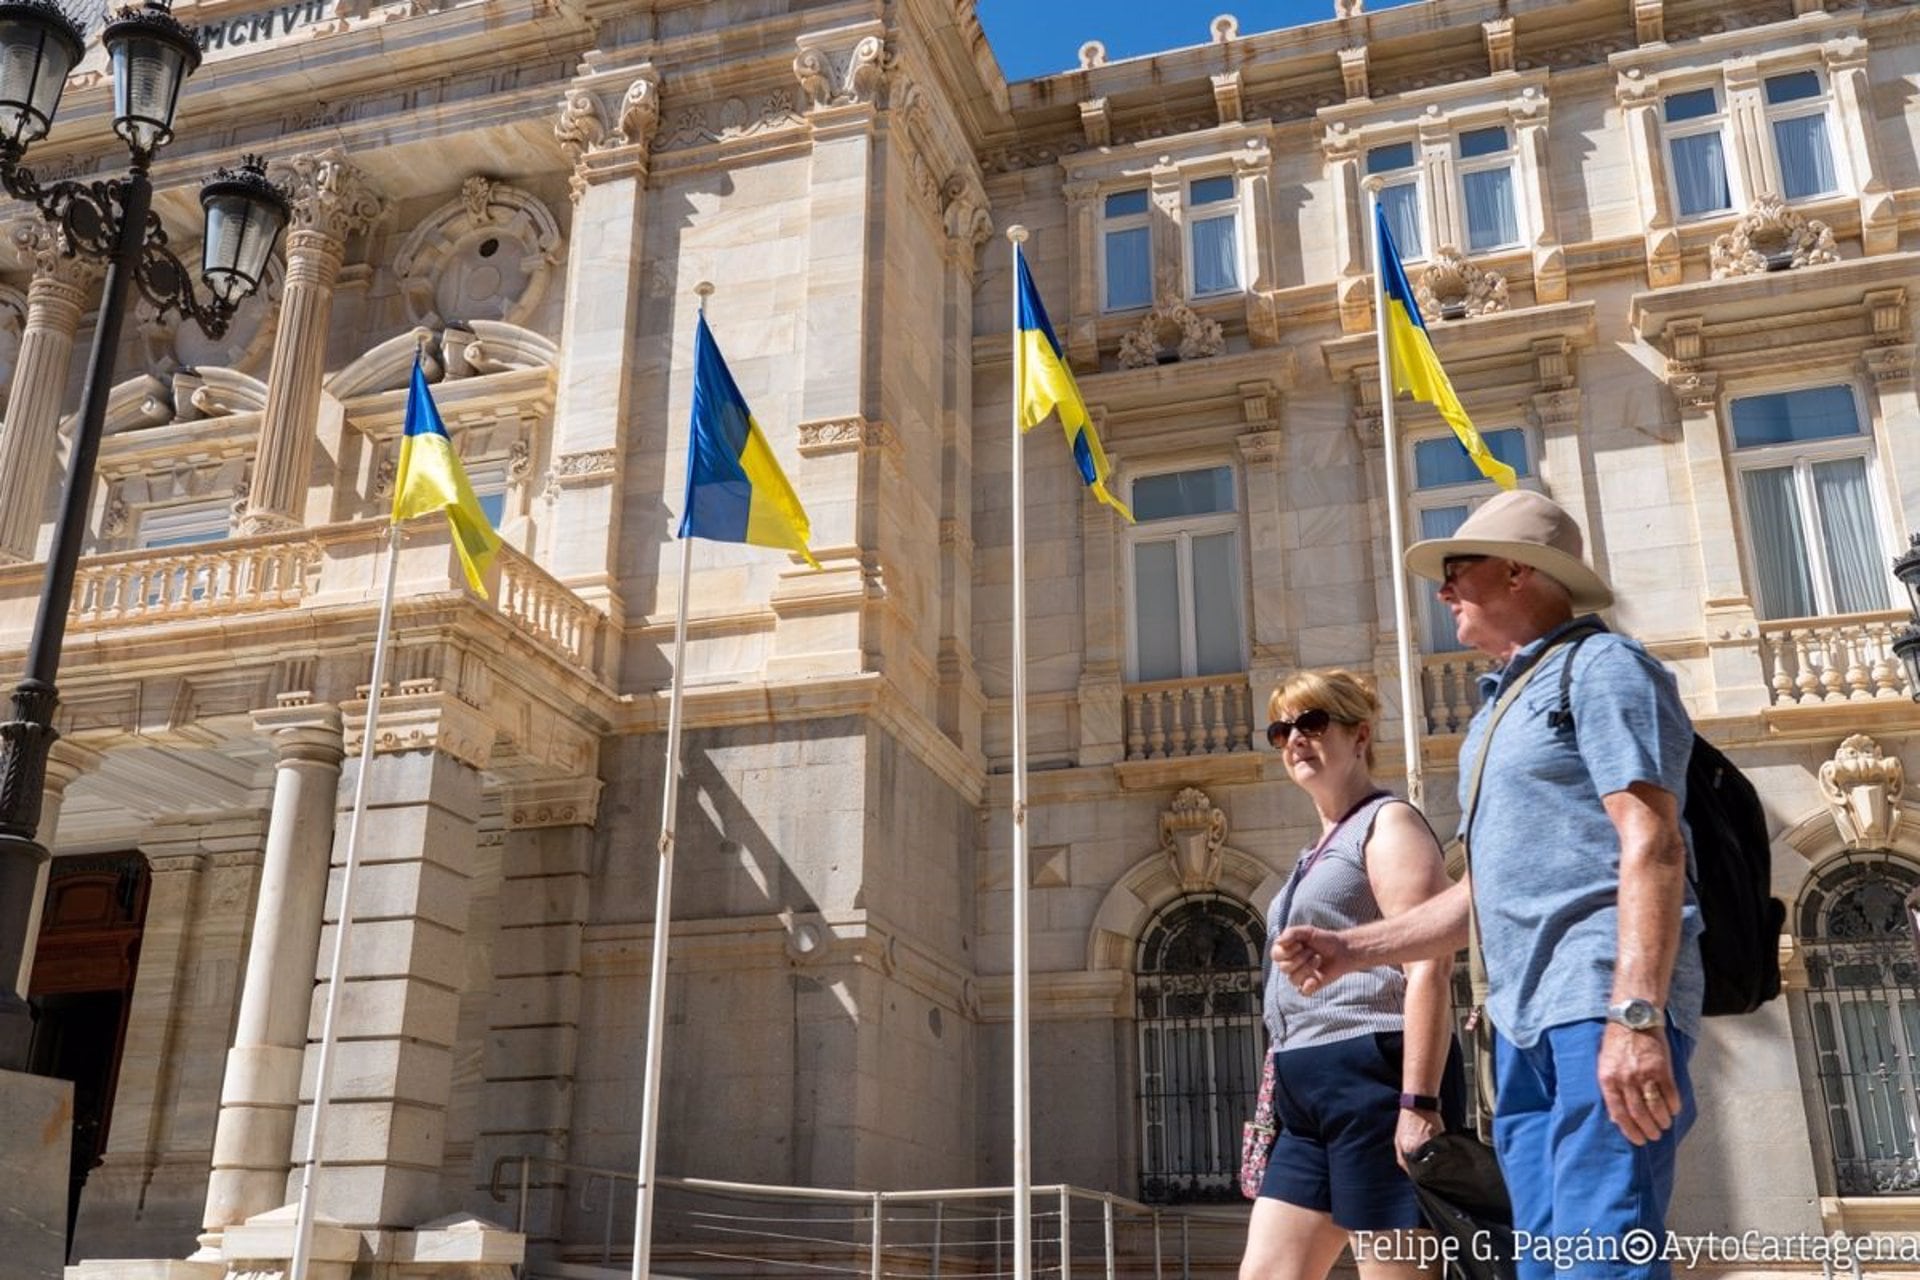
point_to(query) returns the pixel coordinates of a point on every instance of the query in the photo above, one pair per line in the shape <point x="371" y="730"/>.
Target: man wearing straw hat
<point x="1578" y="877"/>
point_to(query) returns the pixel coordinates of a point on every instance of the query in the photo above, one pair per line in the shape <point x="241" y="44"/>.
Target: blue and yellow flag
<point x="736" y="491"/>
<point x="430" y="479"/>
<point x="1045" y="385"/>
<point x="1415" y="366"/>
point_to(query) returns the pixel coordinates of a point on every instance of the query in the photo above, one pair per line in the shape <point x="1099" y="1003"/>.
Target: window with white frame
<point x="1486" y="188"/>
<point x="1446" y="487"/>
<point x="1695" y="128"/>
<point x="1399" y="196"/>
<point x="1126" y="256"/>
<point x="1813" y="525"/>
<point x="1802" y="150"/>
<point x="1185" y="569"/>
<point x="1213" y="236"/>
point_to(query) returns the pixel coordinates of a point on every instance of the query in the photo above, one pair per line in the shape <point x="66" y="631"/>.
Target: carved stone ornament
<point x="830" y="80"/>
<point x="486" y="255"/>
<point x="1191" y="833"/>
<point x="1452" y="287"/>
<point x="1092" y="54"/>
<point x="1168" y="323"/>
<point x="577" y="468"/>
<point x="1771" y="237"/>
<point x="1863" y="789"/>
<point x="330" y="194"/>
<point x="714" y="122"/>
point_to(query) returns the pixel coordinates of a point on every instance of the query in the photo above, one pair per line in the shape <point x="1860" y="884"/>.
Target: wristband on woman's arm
<point x="1419" y="1102"/>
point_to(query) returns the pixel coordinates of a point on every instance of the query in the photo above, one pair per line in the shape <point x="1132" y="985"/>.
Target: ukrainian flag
<point x="430" y="479"/>
<point x="1415" y="366"/>
<point x="736" y="491"/>
<point x="1045" y="385"/>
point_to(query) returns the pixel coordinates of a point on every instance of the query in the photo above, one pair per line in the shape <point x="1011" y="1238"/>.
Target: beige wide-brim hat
<point x="1525" y="526"/>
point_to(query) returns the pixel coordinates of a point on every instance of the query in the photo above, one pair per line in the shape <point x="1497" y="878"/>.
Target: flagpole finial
<point x="705" y="290"/>
<point x="1017" y="234"/>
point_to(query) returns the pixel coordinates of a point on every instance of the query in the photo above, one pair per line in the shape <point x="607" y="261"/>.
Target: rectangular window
<point x="1696" y="142"/>
<point x="183" y="525"/>
<point x="1213" y="225"/>
<point x="1486" y="189"/>
<point x="1447" y="486"/>
<point x="1187" y="596"/>
<point x="1806" y="486"/>
<point x="1797" y="121"/>
<point x="1127" y="257"/>
<point x="1400" y="196"/>
<point x="489" y="481"/>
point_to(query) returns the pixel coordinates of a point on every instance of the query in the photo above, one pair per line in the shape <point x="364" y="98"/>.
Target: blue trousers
<point x="1586" y="1201"/>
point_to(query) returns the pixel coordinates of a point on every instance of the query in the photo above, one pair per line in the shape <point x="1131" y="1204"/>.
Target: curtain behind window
<point x="1700" y="174"/>
<point x="1216" y="605"/>
<point x="1855" y="558"/>
<point x="1490" y="216"/>
<point x="1402" y="206"/>
<point x="1216" y="256"/>
<point x="1129" y="269"/>
<point x="1439" y="522"/>
<point x="1779" y="543"/>
<point x="1156" y="610"/>
<point x="1806" y="159"/>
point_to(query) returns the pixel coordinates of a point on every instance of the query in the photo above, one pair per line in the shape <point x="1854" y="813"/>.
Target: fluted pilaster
<point x="332" y="201"/>
<point x="56" y="300"/>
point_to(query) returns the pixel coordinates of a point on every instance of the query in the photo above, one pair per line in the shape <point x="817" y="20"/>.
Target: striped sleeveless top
<point x="1333" y="894"/>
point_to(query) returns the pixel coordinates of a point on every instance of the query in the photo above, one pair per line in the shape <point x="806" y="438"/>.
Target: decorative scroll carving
<point x="53" y="257"/>
<point x="734" y="118"/>
<point x="830" y="80"/>
<point x="1863" y="788"/>
<point x="330" y="194"/>
<point x="1453" y="287"/>
<point x="1191" y="833"/>
<point x="578" y="468"/>
<point x="1197" y="336"/>
<point x="588" y="125"/>
<point x="1771" y="237"/>
<point x="487" y="255"/>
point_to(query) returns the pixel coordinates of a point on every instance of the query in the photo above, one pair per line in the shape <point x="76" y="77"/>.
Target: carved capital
<point x="56" y="267"/>
<point x="1697" y="390"/>
<point x="330" y="194"/>
<point x="1889" y="366"/>
<point x="847" y="67"/>
<point x="305" y="734"/>
<point x="1862" y="787"/>
<point x="562" y="802"/>
<point x="1259" y="448"/>
<point x="1191" y="833"/>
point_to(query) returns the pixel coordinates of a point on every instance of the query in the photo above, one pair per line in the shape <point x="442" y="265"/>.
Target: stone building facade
<point x="1665" y="248"/>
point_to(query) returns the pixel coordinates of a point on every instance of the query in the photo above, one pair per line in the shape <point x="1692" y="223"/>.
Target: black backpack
<point x="1732" y="875"/>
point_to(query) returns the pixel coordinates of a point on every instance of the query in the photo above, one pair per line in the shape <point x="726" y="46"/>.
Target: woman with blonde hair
<point x="1366" y="1069"/>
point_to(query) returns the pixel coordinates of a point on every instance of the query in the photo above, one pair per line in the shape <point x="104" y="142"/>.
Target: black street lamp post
<point x="1907" y="644"/>
<point x="152" y="54"/>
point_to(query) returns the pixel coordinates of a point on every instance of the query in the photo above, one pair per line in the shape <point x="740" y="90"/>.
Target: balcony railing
<point x="252" y="575"/>
<point x="1450" y="689"/>
<point x="1848" y="658"/>
<point x="1207" y="716"/>
<point x="535" y="602"/>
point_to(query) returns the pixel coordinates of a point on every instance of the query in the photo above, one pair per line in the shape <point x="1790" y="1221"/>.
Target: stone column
<point x="960" y="705"/>
<point x="1747" y="121"/>
<point x="606" y="124"/>
<point x="406" y="965"/>
<point x="1896" y="421"/>
<point x="1536" y="186"/>
<point x="1446" y="223"/>
<point x="29" y="441"/>
<point x="1166" y="194"/>
<point x="1853" y="94"/>
<point x="1253" y="165"/>
<point x="332" y="202"/>
<point x="1639" y="99"/>
<point x="1342" y="148"/>
<point x="533" y="1016"/>
<point x="253" y="1140"/>
<point x="65" y="763"/>
<point x="1084" y="247"/>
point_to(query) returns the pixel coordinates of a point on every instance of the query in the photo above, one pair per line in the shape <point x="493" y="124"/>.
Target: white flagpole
<point x="662" y="918"/>
<point x="1412" y="711"/>
<point x="1022" y="1074"/>
<point x="336" y="967"/>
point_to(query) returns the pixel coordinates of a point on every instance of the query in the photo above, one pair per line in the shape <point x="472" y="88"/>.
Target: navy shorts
<point x="1337" y="1106"/>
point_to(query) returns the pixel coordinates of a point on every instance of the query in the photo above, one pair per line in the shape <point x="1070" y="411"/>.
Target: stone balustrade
<point x="1211" y="715"/>
<point x="280" y="571"/>
<point x="1846" y="658"/>
<point x="1450" y="689"/>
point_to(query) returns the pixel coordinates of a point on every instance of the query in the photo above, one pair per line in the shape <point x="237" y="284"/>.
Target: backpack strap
<point x="1561" y="717"/>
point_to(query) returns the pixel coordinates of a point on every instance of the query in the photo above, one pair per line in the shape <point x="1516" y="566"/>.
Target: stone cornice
<point x="1500" y="333"/>
<point x="436" y="721"/>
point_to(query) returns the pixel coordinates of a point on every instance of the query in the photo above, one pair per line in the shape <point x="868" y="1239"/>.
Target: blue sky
<point x="1034" y="39"/>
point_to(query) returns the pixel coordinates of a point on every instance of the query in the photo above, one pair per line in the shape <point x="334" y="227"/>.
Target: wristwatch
<point x="1635" y="1014"/>
<point x="1419" y="1102"/>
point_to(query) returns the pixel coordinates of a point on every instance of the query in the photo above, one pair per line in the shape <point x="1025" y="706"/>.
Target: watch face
<point x="1636" y="1015"/>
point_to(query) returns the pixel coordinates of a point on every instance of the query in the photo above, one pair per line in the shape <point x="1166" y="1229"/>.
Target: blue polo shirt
<point x="1546" y="858"/>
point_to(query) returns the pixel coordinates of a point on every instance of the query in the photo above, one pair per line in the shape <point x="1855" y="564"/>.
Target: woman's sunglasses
<point x="1311" y="724"/>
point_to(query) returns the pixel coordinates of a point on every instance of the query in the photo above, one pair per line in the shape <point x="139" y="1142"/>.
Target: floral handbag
<point x="1256" y="1135"/>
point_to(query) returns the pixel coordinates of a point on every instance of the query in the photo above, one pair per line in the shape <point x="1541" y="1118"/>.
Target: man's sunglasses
<point x="1311" y="724"/>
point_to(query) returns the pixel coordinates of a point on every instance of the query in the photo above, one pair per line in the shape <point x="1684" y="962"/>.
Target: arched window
<point x="1856" y="931"/>
<point x="1198" y="985"/>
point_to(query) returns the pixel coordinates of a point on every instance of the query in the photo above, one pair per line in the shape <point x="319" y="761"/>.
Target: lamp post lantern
<point x="1906" y="567"/>
<point x="151" y="54"/>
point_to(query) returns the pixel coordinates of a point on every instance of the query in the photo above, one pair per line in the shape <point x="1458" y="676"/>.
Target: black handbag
<point x="1464" y="1199"/>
